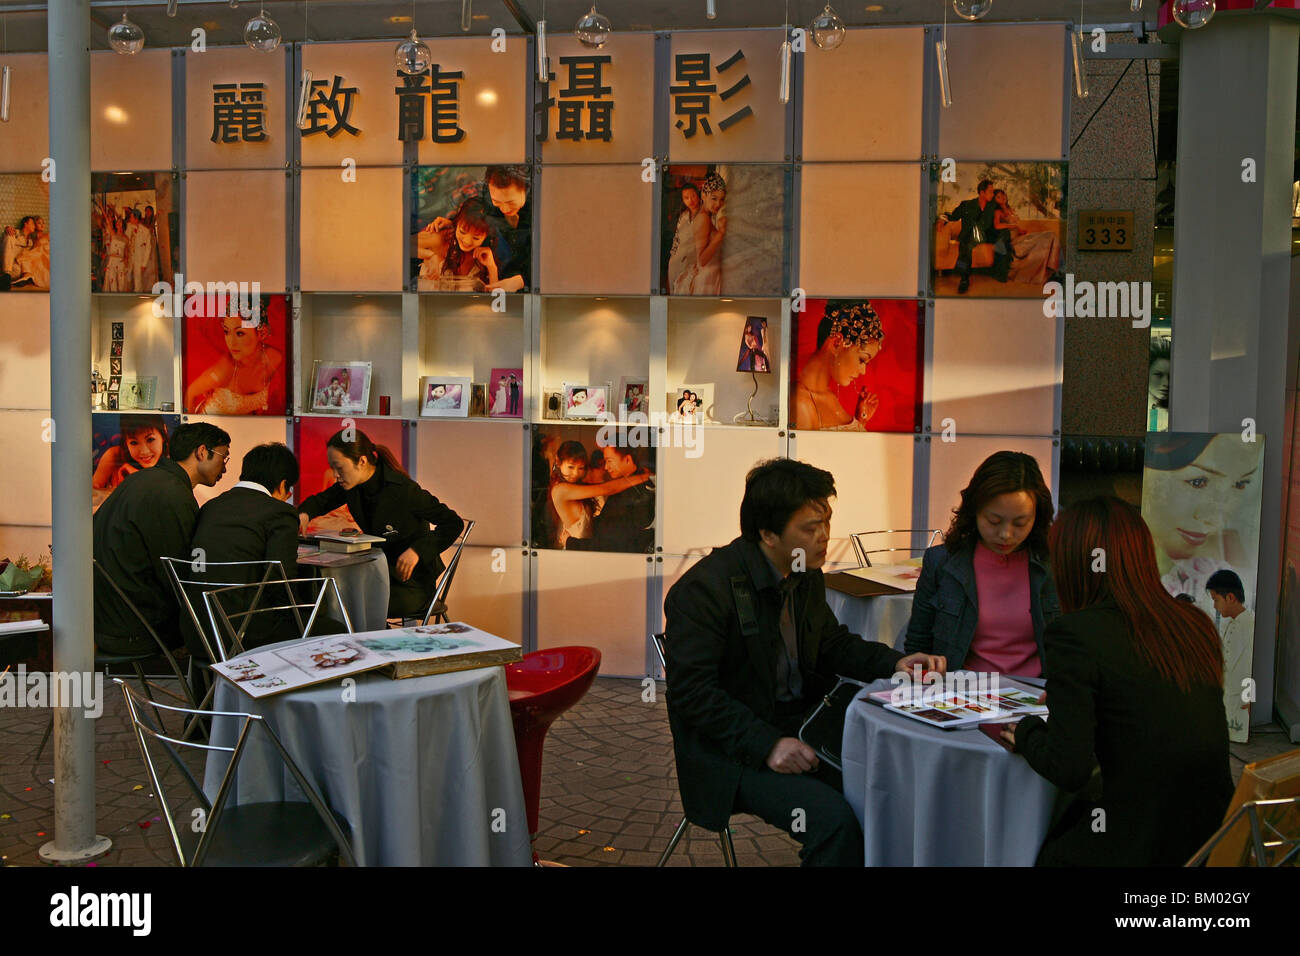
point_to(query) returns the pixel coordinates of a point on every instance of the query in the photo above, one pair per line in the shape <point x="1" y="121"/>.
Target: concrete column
<point x="1232" y="246"/>
<point x="74" y="650"/>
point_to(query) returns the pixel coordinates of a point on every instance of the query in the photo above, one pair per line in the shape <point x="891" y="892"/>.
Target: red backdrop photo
<point x="204" y="346"/>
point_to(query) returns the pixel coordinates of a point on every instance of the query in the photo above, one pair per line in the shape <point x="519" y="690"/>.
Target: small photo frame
<point x="114" y="383"/>
<point x="116" y="349"/>
<point x="585" y="401"/>
<point x="340" y="388"/>
<point x="119" y="331"/>
<point x="115" y="366"/>
<point x="139" y="392"/>
<point x="692" y="405"/>
<point x="505" y="393"/>
<point x="444" y="396"/>
<point x="634" y="395"/>
<point x="112" y="401"/>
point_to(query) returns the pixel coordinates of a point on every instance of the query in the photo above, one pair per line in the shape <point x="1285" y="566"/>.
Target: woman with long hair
<point x="456" y="253"/>
<point x="709" y="231"/>
<point x="985" y="595"/>
<point x="1035" y="256"/>
<point x="1135" y="677"/>
<point x="683" y="261"/>
<point x="386" y="502"/>
<point x="849" y="336"/>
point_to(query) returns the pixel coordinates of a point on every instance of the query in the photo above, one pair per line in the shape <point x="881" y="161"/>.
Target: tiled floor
<point x="609" y="792"/>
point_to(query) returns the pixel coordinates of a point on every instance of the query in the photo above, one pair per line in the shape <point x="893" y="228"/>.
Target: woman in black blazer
<point x="385" y="501"/>
<point x="1136" y="678"/>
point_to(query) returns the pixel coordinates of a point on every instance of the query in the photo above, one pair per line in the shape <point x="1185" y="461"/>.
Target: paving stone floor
<point x="609" y="790"/>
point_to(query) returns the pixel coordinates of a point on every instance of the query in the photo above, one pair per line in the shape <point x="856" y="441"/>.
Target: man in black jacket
<point x="976" y="218"/>
<point x="627" y="522"/>
<point x="149" y="516"/>
<point x="751" y="647"/>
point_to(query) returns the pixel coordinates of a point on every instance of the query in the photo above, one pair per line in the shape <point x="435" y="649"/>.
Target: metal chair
<point x="1262" y="851"/>
<point x="231" y="608"/>
<point x="863" y="553"/>
<point x="281" y="833"/>
<point x="724" y="838"/>
<point x="437" y="610"/>
<point x="190" y="589"/>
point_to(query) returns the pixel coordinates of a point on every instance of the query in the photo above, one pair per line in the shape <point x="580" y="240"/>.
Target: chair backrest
<point x="863" y="542"/>
<point x="147" y="723"/>
<point x="190" y="580"/>
<point x="449" y="573"/>
<point x="231" y="608"/>
<point x="659" y="640"/>
<point x="1279" y="846"/>
<point x="163" y="649"/>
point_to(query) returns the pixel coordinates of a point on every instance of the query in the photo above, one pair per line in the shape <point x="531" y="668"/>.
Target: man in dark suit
<point x="626" y="523"/>
<point x="149" y="516"/>
<point x="751" y="647"/>
<point x="976" y="218"/>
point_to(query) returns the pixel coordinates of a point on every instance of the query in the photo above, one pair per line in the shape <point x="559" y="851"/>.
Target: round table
<point x="883" y="617"/>
<point x="929" y="797"/>
<point x="424" y="769"/>
<point x="363" y="587"/>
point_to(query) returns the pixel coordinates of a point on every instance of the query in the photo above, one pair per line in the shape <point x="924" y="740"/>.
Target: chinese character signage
<point x="351" y="109"/>
<point x="723" y="89"/>
<point x="471" y="105"/>
<point x="598" y="105"/>
<point x="235" y="102"/>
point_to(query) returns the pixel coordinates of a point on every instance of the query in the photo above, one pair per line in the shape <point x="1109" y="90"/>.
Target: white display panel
<point x="351" y="233"/>
<point x="149" y="347"/>
<point x="353" y="328"/>
<point x="462" y="335"/>
<point x="27" y="497"/>
<point x="221" y="245"/>
<point x="1008" y="92"/>
<point x="953" y="463"/>
<point x="366" y="68"/>
<point x="25" y="139"/>
<point x="476" y="468"/>
<point x="873" y="482"/>
<point x="704" y="342"/>
<point x="702" y="494"/>
<point x="886" y="124"/>
<point x="597" y="600"/>
<point x="995" y="365"/>
<point x="860" y="230"/>
<point x="131" y="110"/>
<point x="593" y="341"/>
<point x="487" y="593"/>
<point x="631" y="62"/>
<point x="245" y="431"/>
<point x="608" y="252"/>
<point x="25" y="354"/>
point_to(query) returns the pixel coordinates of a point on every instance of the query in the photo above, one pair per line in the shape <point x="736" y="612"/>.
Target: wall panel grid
<point x="844" y="212"/>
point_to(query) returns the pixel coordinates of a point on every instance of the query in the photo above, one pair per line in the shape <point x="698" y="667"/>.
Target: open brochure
<point x="900" y="576"/>
<point x="404" y="652"/>
<point x="949" y="709"/>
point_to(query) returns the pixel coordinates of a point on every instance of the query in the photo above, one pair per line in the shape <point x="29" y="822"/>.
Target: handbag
<point x="823" y="729"/>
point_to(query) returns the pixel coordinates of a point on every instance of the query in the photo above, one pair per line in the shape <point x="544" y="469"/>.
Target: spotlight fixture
<point x="711" y="9"/>
<point x="1193" y="14"/>
<point x="972" y="9"/>
<point x="261" y="33"/>
<point x="125" y="37"/>
<point x="827" y="29"/>
<point x="466" y="15"/>
<point x="593" y="29"/>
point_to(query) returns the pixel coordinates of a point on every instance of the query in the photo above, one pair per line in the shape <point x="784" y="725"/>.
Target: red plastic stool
<point x="541" y="687"/>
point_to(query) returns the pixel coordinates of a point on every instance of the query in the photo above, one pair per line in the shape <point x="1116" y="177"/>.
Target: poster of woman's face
<point x="471" y="228"/>
<point x="314" y="474"/>
<point x="124" y="444"/>
<point x="753" y="346"/>
<point x="858" y="365"/>
<point x="235" y="359"/>
<point x="134" y="232"/>
<point x="506" y="393"/>
<point x="723" y="231"/>
<point x="589" y="494"/>
<point x="24" y="233"/>
<point x="1201" y="498"/>
<point x="998" y="228"/>
<point x="341" y="387"/>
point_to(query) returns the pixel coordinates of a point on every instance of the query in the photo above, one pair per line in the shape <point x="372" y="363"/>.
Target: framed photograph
<point x="112" y="402"/>
<point x="340" y="387"/>
<point x="633" y="394"/>
<point x="115" y="350"/>
<point x="506" y="393"/>
<point x="585" y="401"/>
<point x="123" y="444"/>
<point x="754" y="348"/>
<point x="471" y="228"/>
<point x="134" y="231"/>
<point x="24" y="233"/>
<point x="692" y="405"/>
<point x="444" y="396"/>
<point x="119" y="331"/>
<point x="114" y="383"/>
<point x="234" y="358"/>
<point x="139" y="392"/>
<point x="999" y="229"/>
<point x="115" y="365"/>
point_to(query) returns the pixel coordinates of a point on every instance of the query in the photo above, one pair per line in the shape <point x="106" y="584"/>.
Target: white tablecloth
<point x="364" y="590"/>
<point x="929" y="797"/>
<point x="424" y="769"/>
<point x="881" y="618"/>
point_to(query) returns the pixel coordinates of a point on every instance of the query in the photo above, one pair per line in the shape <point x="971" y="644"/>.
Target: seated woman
<point x="385" y="501"/>
<point x="985" y="594"/>
<point x="1135" y="677"/>
<point x="1035" y="256"/>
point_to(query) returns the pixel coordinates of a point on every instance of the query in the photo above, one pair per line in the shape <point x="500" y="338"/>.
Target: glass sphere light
<point x="1193" y="14"/>
<point x="261" y="33"/>
<point x="593" y="29"/>
<point x="972" y="9"/>
<point x="125" y="37"/>
<point x="413" y="55"/>
<point x="827" y="29"/>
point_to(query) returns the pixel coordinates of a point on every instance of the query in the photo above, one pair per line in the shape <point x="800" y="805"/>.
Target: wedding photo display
<point x="723" y="230"/>
<point x="25" y="244"/>
<point x="134" y="231"/>
<point x="858" y="365"/>
<point x="471" y="228"/>
<point x="235" y="360"/>
<point x="591" y="497"/>
<point x="999" y="229"/>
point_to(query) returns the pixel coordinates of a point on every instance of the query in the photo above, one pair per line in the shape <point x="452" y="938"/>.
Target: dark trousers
<point x="808" y="806"/>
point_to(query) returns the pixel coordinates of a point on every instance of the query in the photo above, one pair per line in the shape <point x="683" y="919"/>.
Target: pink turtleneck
<point x="1004" y="635"/>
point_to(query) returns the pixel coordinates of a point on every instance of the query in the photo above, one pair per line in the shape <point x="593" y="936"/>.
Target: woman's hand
<point x="303" y="521"/>
<point x="406" y="563"/>
<point x="868" y="402"/>
<point x="483" y="256"/>
<point x="438" y="225"/>
<point x="927" y="662"/>
<point x="1009" y="733"/>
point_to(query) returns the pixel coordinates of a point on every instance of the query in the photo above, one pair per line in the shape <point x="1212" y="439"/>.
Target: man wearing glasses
<point x="151" y="515"/>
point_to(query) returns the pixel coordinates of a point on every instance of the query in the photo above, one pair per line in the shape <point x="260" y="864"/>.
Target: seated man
<point x="151" y="515"/>
<point x="752" y="647"/>
<point x="253" y="521"/>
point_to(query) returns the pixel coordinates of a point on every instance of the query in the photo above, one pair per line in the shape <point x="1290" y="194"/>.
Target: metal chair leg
<point x="672" y="844"/>
<point x="728" y="848"/>
<point x="49" y="729"/>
